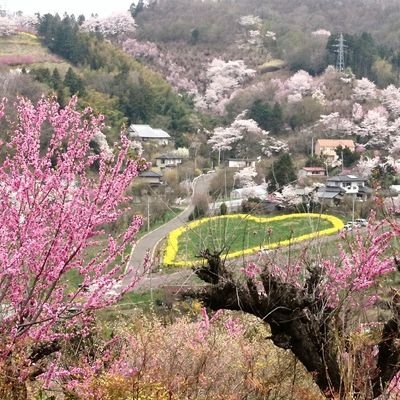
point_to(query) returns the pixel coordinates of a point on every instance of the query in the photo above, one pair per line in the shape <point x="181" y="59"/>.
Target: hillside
<point x="216" y="21"/>
<point x="181" y="38"/>
<point x="105" y="78"/>
<point x="25" y="48"/>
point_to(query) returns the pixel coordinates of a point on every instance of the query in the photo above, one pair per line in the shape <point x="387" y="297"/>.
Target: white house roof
<point x="147" y="132"/>
<point x="161" y="133"/>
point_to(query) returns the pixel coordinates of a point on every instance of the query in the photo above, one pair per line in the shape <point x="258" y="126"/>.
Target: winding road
<point x="148" y="243"/>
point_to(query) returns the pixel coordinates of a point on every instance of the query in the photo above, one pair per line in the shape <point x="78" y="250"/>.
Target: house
<point x="337" y="187"/>
<point x="312" y="171"/>
<point x="330" y="195"/>
<point x="240" y="163"/>
<point x="150" y="178"/>
<point x="351" y="184"/>
<point x="145" y="133"/>
<point x="327" y="148"/>
<point x="168" y="160"/>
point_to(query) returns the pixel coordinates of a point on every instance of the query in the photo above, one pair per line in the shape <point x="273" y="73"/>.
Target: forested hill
<point x="181" y="38"/>
<point x="214" y="22"/>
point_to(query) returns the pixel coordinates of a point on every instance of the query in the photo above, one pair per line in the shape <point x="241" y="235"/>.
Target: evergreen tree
<point x="135" y="9"/>
<point x="47" y="27"/>
<point x="42" y="75"/>
<point x="349" y="157"/>
<point x="267" y="118"/>
<point x="73" y="82"/>
<point x="276" y="118"/>
<point x="261" y="113"/>
<point x="56" y="81"/>
<point x="81" y="19"/>
<point x="315" y="161"/>
<point x="281" y="173"/>
<point x="61" y="98"/>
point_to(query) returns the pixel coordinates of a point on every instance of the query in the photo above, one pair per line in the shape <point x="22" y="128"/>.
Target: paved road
<point x="148" y="242"/>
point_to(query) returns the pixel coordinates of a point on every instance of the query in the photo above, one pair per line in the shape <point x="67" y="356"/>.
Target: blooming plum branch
<point x="53" y="210"/>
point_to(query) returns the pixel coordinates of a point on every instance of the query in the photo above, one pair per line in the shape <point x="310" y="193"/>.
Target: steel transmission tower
<point x="340" y="48"/>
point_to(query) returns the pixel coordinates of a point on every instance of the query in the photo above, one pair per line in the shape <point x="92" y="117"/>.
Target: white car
<point x="361" y="222"/>
<point x="348" y="227"/>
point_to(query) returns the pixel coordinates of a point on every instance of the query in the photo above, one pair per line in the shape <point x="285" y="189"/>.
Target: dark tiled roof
<point x="169" y="156"/>
<point x="328" y="195"/>
<point x="345" y="178"/>
<point x="149" y="174"/>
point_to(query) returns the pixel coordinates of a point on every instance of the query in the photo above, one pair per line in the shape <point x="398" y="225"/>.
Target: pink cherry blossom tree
<point x="53" y="209"/>
<point x="296" y="87"/>
<point x="222" y="79"/>
<point x="141" y="49"/>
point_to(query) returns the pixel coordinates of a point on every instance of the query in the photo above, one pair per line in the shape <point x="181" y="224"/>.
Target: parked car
<point x="361" y="222"/>
<point x="349" y="226"/>
<point x="357" y="223"/>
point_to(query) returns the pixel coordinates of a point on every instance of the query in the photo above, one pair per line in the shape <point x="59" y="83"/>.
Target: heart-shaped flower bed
<point x="240" y="234"/>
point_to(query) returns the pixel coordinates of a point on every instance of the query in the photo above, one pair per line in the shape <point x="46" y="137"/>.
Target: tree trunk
<point x="301" y="321"/>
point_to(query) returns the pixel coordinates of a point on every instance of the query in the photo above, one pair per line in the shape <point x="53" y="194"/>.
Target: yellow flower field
<point x="173" y="245"/>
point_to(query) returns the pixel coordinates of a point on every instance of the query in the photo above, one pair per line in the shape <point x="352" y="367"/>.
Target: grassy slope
<point x="26" y="49"/>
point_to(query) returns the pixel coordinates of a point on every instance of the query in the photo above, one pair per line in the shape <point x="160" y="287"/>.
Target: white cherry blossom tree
<point x="245" y="177"/>
<point x="364" y="90"/>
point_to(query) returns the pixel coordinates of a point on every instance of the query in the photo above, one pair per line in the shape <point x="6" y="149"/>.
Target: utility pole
<point x="312" y="147"/>
<point x="225" y="193"/>
<point x="342" y="162"/>
<point x="148" y="213"/>
<point x="340" y="48"/>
